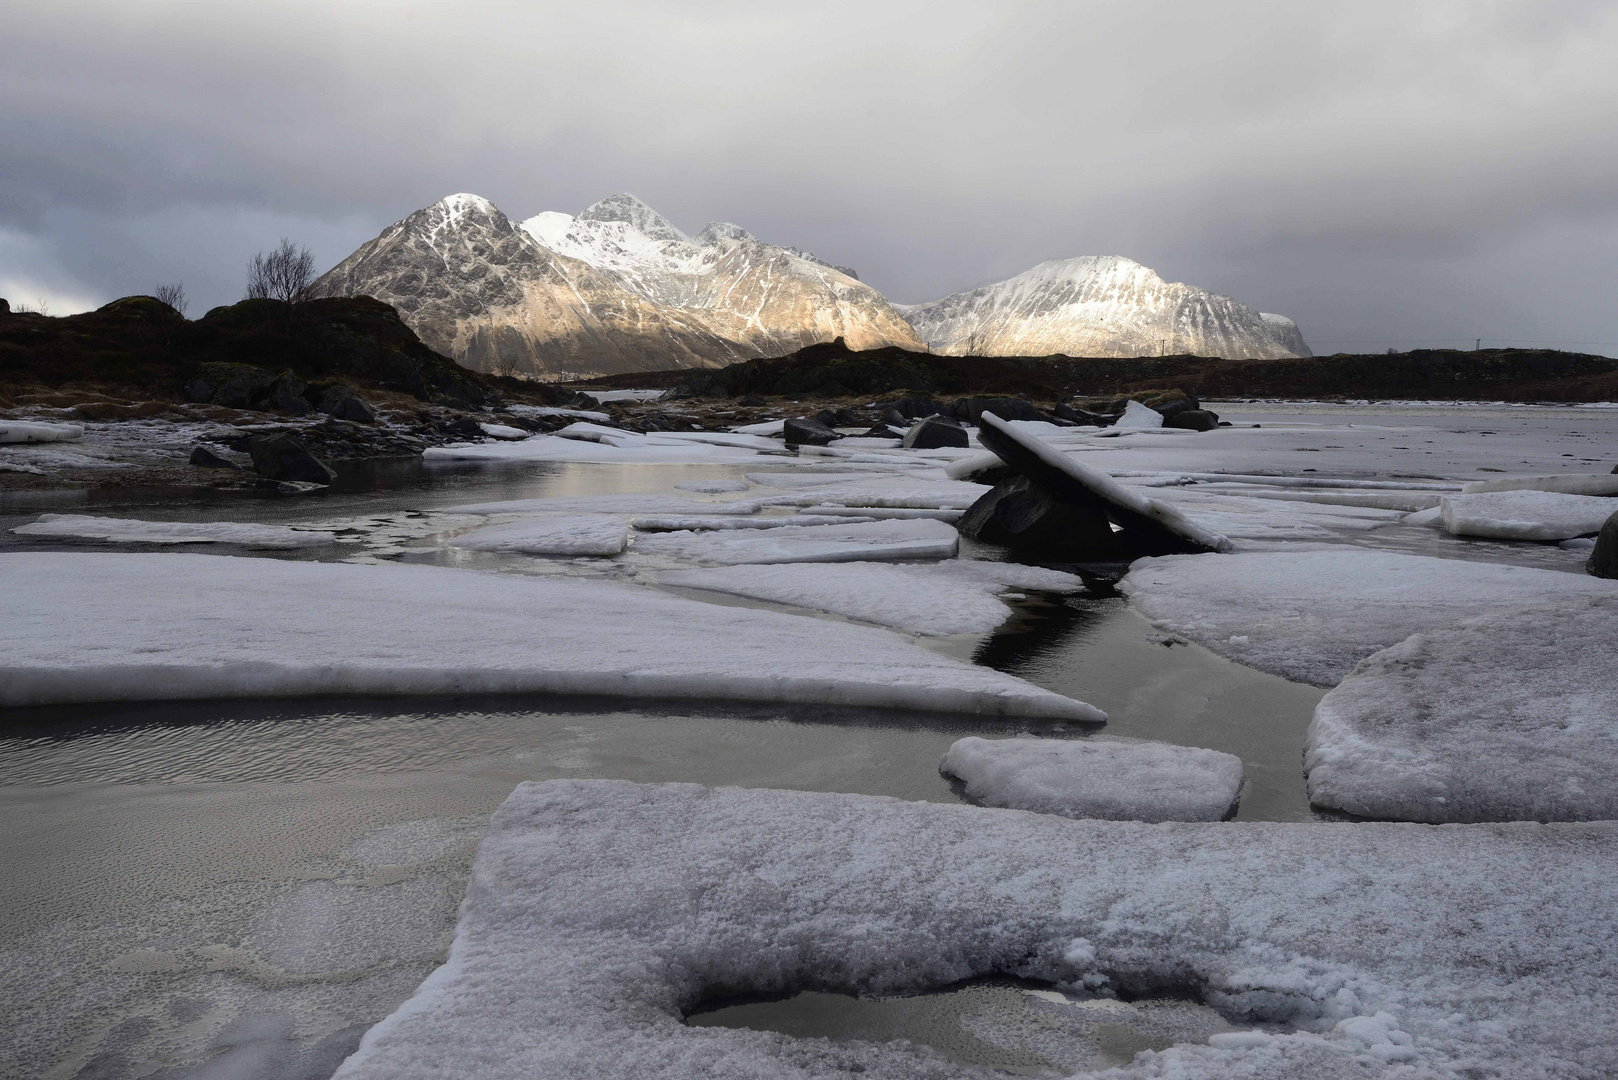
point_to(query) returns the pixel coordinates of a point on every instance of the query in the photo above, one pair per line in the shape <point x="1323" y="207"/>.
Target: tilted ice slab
<point x="550" y="534"/>
<point x="120" y="627"/>
<point x="921" y="538"/>
<point x="956" y="596"/>
<point x="133" y="531"/>
<point x="1136" y="415"/>
<point x="1310" y="616"/>
<point x="600" y="911"/>
<point x="1503" y="717"/>
<point x="1121" y="780"/>
<point x="609" y="504"/>
<point x="1525" y="514"/>
<point x="34" y="431"/>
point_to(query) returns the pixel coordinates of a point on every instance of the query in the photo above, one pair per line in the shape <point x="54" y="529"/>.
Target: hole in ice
<point x="1010" y="1025"/>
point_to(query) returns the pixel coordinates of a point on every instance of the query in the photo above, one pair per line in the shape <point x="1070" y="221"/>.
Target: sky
<point x="1387" y="174"/>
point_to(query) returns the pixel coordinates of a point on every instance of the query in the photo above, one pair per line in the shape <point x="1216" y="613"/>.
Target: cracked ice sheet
<point x="892" y="493"/>
<point x="133" y="531"/>
<point x="610" y="504"/>
<point x="918" y="538"/>
<point x="1116" y="779"/>
<point x="956" y="596"/>
<point x="1238" y="517"/>
<point x="1525" y="515"/>
<point x="1512" y="716"/>
<point x="215" y="626"/>
<point x="599" y="911"/>
<point x="1310" y="616"/>
<point x="550" y="534"/>
<point x="558" y="448"/>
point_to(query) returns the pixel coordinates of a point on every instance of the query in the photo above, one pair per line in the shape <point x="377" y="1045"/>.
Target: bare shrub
<point x="172" y="294"/>
<point x="38" y="307"/>
<point x="284" y="274"/>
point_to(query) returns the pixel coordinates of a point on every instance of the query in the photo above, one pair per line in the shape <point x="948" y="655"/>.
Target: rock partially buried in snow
<point x="599" y="912"/>
<point x="551" y="534"/>
<point x="1120" y="780"/>
<point x="32" y="431"/>
<point x="1504" y="717"/>
<point x="1525" y="514"/>
<point x="211" y="626"/>
<point x="1603" y="562"/>
<point x="801" y="432"/>
<point x="935" y="432"/>
<point x="1022" y="515"/>
<point x="1150" y="526"/>
<point x="1310" y="616"/>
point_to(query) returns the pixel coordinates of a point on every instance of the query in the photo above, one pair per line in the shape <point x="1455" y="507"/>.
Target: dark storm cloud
<point x="1381" y="172"/>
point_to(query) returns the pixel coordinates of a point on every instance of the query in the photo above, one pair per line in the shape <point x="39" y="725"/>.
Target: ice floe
<point x="1574" y="484"/>
<point x="896" y="493"/>
<point x="1118" y="779"/>
<point x="599" y="912"/>
<point x="609" y="504"/>
<point x="1138" y="416"/>
<point x="38" y="431"/>
<point x="956" y="596"/>
<point x="1526" y="514"/>
<point x="1512" y="716"/>
<point x="920" y="538"/>
<point x="1310" y="616"/>
<point x="698" y="522"/>
<point x="550" y="534"/>
<point x="214" y="626"/>
<point x="713" y="487"/>
<point x="133" y="531"/>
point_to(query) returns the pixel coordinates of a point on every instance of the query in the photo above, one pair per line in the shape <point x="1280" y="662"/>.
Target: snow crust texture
<point x="1120" y="780"/>
<point x="212" y="626"/>
<point x="600" y="911"/>
<point x="35" y="431"/>
<point x="1099" y="305"/>
<point x="1525" y="514"/>
<point x="1503" y="717"/>
<point x="1311" y="616"/>
<point x="133" y="531"/>
<point x="551" y="534"/>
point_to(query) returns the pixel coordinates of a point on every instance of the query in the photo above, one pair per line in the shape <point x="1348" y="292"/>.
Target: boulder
<point x="935" y="432"/>
<point x="971" y="408"/>
<point x="462" y="427"/>
<point x="356" y="410"/>
<point x="847" y="417"/>
<point x="826" y="418"/>
<point x="1084" y="417"/>
<point x="285" y="394"/>
<point x="754" y="401"/>
<point x="203" y="458"/>
<point x="1018" y="513"/>
<point x="882" y="431"/>
<point x="1604" y="558"/>
<point x="279" y="456"/>
<point x="1192" y="420"/>
<point x="1150" y="526"/>
<point x="893" y="418"/>
<point x="802" y="432"/>
<point x="913" y="407"/>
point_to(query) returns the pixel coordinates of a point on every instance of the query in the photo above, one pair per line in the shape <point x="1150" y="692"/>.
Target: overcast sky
<point x="1386" y="174"/>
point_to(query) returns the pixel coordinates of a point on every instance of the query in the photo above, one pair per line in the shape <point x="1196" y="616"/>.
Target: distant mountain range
<point x="618" y="288"/>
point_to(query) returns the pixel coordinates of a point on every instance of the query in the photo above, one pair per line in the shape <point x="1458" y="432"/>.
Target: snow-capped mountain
<point x="1099" y="305"/>
<point x="771" y="300"/>
<point x="617" y="288"/>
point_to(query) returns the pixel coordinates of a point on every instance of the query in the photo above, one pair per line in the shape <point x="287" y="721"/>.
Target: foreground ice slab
<point x="1122" y="780"/>
<point x="1504" y="717"/>
<point x="1310" y="616"/>
<point x="599" y="911"/>
<point x="118" y="627"/>
<point x="32" y="431"/>
<point x="1525" y="514"/>
<point x="919" y="538"/>
<point x="132" y="531"/>
<point x="951" y="597"/>
<point x="550" y="534"/>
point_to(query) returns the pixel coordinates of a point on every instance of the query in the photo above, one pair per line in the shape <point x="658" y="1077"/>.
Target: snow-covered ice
<point x="1526" y="514"/>
<point x="695" y="522"/>
<point x="956" y="596"/>
<point x="609" y="504"/>
<point x="1310" y="616"/>
<point x="1510" y="716"/>
<point x="921" y="538"/>
<point x="897" y="493"/>
<point x="1118" y="779"/>
<point x="1138" y="416"/>
<point x="1571" y="484"/>
<point x="503" y="431"/>
<point x="37" y="431"/>
<point x="133" y="531"/>
<point x="550" y="534"/>
<point x="713" y="487"/>
<point x="600" y="911"/>
<point x="213" y="626"/>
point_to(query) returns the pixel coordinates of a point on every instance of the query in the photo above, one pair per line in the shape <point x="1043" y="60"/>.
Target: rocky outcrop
<point x="1100" y="306"/>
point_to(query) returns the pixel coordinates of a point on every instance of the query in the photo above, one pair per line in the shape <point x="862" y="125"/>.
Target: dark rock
<point x="801" y="432"/>
<point x="1175" y="407"/>
<point x="1084" y="417"/>
<point x="5" y="307"/>
<point x="241" y="387"/>
<point x="285" y="394"/>
<point x="1020" y="514"/>
<point x="912" y="407"/>
<point x="1192" y="420"/>
<point x="826" y="418"/>
<point x="1604" y="558"/>
<point x="463" y="427"/>
<point x="847" y="417"/>
<point x="883" y="431"/>
<point x="934" y="432"/>
<point x="355" y="410"/>
<point x="1149" y="528"/>
<point x="971" y="408"/>
<point x="203" y="458"/>
<point x="754" y="401"/>
<point x="893" y="418"/>
<point x="279" y="456"/>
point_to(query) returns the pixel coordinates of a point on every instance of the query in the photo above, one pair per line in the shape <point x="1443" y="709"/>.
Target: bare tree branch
<point x="284" y="274"/>
<point x="172" y="294"/>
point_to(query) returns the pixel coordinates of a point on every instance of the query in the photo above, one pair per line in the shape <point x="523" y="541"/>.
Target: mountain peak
<point x="715" y="231"/>
<point x="630" y="210"/>
<point x="465" y="203"/>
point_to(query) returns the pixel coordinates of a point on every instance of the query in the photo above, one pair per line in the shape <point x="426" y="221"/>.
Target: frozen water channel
<point x="242" y="888"/>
